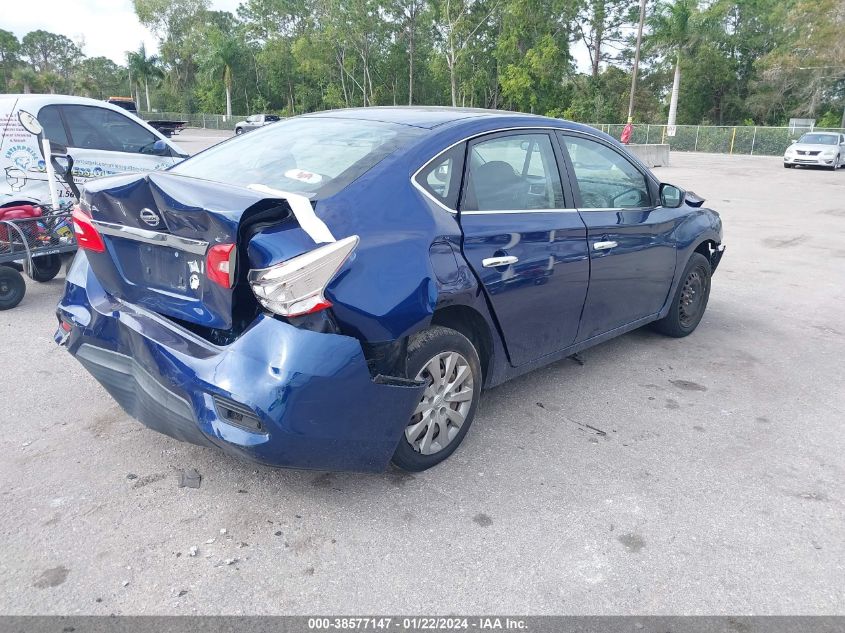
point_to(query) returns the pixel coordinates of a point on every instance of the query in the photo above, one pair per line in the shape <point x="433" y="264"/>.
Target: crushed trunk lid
<point x="159" y="229"/>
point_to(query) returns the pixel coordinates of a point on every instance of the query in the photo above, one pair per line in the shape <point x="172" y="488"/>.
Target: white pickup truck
<point x="102" y="139"/>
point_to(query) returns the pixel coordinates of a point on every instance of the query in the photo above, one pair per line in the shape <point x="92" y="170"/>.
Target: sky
<point x="104" y="27"/>
<point x="109" y="28"/>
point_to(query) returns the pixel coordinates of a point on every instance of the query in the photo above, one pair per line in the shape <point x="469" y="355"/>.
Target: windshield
<point x="818" y="139"/>
<point x="308" y="155"/>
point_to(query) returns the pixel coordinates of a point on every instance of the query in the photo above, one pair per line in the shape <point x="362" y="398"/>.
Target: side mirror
<point x="793" y="141"/>
<point x="160" y="148"/>
<point x="30" y="123"/>
<point x="671" y="196"/>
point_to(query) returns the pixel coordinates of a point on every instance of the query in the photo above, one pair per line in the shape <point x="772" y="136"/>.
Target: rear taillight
<point x="296" y="287"/>
<point x="87" y="235"/>
<point x="220" y="264"/>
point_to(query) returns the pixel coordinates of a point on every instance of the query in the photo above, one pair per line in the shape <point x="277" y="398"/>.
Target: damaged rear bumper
<point x="277" y="395"/>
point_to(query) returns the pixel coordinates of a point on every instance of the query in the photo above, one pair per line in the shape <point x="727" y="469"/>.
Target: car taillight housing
<point x="87" y="235"/>
<point x="296" y="286"/>
<point x="220" y="264"/>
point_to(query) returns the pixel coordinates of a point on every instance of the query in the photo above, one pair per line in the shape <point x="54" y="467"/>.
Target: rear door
<point x="524" y="240"/>
<point x="102" y="141"/>
<point x="632" y="253"/>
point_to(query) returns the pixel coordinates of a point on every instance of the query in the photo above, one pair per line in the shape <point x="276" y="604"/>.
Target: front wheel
<point x="447" y="362"/>
<point x="690" y="300"/>
<point x="12" y="287"/>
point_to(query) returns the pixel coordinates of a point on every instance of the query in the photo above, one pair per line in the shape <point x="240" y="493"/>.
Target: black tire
<point x="45" y="268"/>
<point x="12" y="287"/>
<point x="690" y="300"/>
<point x="423" y="348"/>
<point x="787" y="166"/>
<point x="238" y="131"/>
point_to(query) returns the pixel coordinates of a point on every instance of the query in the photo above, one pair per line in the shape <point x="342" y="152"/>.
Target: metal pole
<point x="697" y="129"/>
<point x="753" y="139"/>
<point x="636" y="63"/>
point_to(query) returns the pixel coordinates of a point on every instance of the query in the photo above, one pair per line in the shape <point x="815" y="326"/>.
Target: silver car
<point x="255" y="121"/>
<point x="820" y="149"/>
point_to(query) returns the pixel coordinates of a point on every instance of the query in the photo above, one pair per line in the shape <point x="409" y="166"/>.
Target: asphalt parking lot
<point x="696" y="476"/>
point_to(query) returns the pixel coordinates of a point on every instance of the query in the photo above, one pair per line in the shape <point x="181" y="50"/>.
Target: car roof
<point x="40" y="100"/>
<point x="430" y="117"/>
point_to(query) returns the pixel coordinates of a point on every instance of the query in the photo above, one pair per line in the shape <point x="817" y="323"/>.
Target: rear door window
<point x="515" y="172"/>
<point x="98" y="128"/>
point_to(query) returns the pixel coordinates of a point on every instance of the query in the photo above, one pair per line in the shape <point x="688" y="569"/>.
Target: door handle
<point x="604" y="246"/>
<point x="495" y="262"/>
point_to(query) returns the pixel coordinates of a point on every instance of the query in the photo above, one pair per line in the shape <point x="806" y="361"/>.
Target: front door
<point x="632" y="253"/>
<point x="525" y="243"/>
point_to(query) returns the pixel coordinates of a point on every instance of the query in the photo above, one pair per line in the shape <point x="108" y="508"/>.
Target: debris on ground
<point x="125" y="583"/>
<point x="189" y="478"/>
<point x="194" y="550"/>
<point x="222" y="531"/>
<point x="230" y="561"/>
<point x="131" y="476"/>
<point x="210" y="541"/>
<point x="577" y="358"/>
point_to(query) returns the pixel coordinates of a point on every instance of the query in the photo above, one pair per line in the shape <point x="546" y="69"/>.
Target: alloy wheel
<point x="444" y="405"/>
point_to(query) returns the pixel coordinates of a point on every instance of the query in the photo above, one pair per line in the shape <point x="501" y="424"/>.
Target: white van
<point x="102" y="139"/>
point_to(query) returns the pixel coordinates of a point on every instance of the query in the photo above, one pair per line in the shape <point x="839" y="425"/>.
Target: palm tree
<point x="674" y="32"/>
<point x="24" y="79"/>
<point x="223" y="52"/>
<point x="143" y="68"/>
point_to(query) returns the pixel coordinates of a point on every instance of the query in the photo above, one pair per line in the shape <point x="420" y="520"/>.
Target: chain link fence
<point x="724" y="139"/>
<point x="201" y="120"/>
<point x="727" y="139"/>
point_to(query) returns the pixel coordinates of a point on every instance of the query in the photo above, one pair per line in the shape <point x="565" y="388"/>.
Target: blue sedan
<point x="335" y="290"/>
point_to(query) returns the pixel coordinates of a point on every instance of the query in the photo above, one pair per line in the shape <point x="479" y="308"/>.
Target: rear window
<point x="308" y="155"/>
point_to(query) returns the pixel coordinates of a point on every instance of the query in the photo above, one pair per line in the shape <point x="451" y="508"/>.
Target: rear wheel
<point x="447" y="362"/>
<point x="239" y="131"/>
<point x="45" y="268"/>
<point x="12" y="287"/>
<point x="690" y="300"/>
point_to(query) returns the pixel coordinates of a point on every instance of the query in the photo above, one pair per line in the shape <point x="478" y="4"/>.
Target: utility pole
<point x="636" y="63"/>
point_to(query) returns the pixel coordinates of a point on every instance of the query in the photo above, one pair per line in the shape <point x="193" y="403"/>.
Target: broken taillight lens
<point x="296" y="286"/>
<point x="87" y="235"/>
<point x="220" y="264"/>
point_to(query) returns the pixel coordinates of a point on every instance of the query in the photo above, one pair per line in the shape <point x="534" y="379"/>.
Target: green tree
<point x="9" y="51"/>
<point x="143" y="68"/>
<point x="674" y="33"/>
